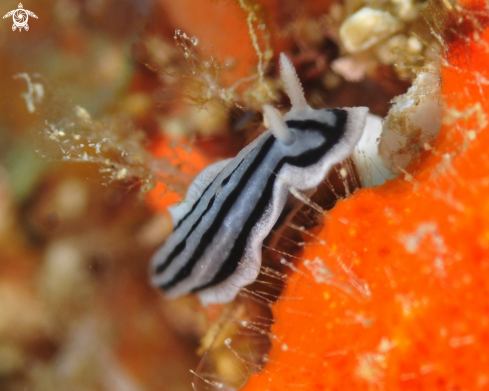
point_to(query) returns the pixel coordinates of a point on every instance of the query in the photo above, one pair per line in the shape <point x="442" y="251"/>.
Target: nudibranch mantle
<point x="231" y="207"/>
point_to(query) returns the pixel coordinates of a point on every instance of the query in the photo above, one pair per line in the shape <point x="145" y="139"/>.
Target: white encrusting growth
<point x="413" y="121"/>
<point x="368" y="162"/>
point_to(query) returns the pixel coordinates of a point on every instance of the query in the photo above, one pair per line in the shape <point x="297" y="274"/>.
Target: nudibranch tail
<point x="277" y="125"/>
<point x="292" y="84"/>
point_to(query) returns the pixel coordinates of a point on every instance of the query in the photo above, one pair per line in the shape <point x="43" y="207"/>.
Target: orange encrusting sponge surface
<point x="187" y="159"/>
<point x="393" y="294"/>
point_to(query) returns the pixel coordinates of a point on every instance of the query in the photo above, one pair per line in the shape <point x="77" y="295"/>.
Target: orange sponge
<point x="394" y="292"/>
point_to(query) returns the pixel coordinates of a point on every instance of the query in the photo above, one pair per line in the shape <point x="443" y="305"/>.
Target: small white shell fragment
<point x="394" y="50"/>
<point x="367" y="27"/>
<point x="350" y="68"/>
<point x="414" y="45"/>
<point x="407" y="10"/>
<point x="369" y="164"/>
<point x="82" y="113"/>
<point x="413" y="120"/>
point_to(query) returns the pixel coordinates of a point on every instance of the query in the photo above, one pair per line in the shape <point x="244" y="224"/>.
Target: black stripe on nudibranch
<point x="194" y="206"/>
<point x="306" y="159"/>
<point x="207" y="237"/>
<point x="196" y="203"/>
<point x="183" y="243"/>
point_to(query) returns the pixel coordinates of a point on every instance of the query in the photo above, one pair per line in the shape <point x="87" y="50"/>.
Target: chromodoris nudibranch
<point x="232" y="205"/>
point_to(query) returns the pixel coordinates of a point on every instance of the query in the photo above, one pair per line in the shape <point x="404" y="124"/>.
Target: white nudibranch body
<point x="232" y="205"/>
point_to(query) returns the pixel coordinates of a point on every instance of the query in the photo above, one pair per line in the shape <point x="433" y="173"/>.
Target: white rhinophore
<point x="277" y="125"/>
<point x="292" y="84"/>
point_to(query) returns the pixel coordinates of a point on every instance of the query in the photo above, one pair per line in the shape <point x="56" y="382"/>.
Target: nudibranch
<point x="231" y="206"/>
